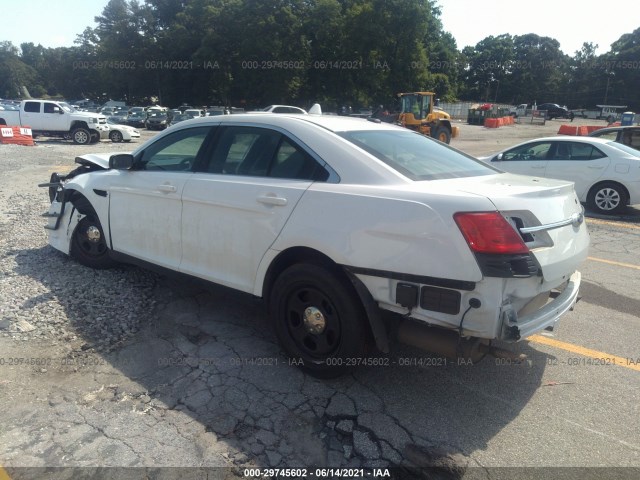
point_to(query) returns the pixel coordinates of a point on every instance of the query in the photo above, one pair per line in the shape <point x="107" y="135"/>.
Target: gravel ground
<point x="41" y="289"/>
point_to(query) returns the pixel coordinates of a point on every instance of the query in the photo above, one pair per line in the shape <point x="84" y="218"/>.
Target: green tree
<point x="15" y="74"/>
<point x="490" y="67"/>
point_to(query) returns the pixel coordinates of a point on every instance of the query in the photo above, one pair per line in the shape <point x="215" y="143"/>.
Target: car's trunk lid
<point x="561" y="242"/>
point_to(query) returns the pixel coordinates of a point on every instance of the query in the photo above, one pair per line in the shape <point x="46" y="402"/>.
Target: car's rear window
<point x="416" y="156"/>
<point x="625" y="148"/>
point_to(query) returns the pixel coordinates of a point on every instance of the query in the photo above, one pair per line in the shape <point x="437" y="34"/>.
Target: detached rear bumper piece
<point x="515" y="328"/>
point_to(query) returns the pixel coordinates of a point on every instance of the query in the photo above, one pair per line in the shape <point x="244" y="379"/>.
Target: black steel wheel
<point x="319" y="320"/>
<point x="88" y="244"/>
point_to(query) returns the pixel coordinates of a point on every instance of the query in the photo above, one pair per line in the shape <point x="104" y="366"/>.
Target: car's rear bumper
<point x="545" y="318"/>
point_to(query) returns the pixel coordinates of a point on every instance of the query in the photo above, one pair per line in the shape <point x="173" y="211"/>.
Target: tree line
<point x="335" y="52"/>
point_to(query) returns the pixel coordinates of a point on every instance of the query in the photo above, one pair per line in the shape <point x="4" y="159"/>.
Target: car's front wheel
<point x="115" y="136"/>
<point x="89" y="245"/>
<point x="607" y="198"/>
<point x="318" y="319"/>
<point x="81" y="136"/>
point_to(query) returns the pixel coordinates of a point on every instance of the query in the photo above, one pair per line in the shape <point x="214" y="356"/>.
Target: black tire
<point x="607" y="198"/>
<point x="95" y="137"/>
<point x="88" y="244"/>
<point x="442" y="134"/>
<point x="115" y="136"/>
<point x="81" y="136"/>
<point x="53" y="191"/>
<point x="307" y="296"/>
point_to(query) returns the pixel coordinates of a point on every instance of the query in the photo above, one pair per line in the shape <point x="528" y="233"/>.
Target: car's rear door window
<point x="262" y="152"/>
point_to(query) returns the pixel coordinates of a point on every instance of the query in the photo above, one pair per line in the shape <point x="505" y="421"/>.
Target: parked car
<point x="554" y="111"/>
<point x="194" y="112"/>
<point x="606" y="174"/>
<point x="137" y="109"/>
<point x="137" y="119"/>
<point x="179" y="117"/>
<point x="121" y="133"/>
<point x="157" y="121"/>
<point x="217" y="110"/>
<point x="629" y="136"/>
<point x="331" y="219"/>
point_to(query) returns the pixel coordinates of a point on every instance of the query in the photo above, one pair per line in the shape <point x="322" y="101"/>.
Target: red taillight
<point x="489" y="232"/>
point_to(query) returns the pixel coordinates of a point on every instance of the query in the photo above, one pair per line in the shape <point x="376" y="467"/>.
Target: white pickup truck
<point x="519" y="111"/>
<point x="57" y="119"/>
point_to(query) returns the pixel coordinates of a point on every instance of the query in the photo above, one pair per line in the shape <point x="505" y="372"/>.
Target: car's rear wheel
<point x="607" y="198"/>
<point x="89" y="245"/>
<point x="318" y="319"/>
<point x="115" y="136"/>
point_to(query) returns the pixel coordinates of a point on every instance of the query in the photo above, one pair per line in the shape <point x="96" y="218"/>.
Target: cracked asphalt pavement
<point x="130" y="369"/>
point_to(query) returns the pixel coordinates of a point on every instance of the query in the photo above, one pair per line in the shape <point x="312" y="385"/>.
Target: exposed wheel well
<point x="81" y="203"/>
<point x="292" y="256"/>
<point x="3" y="121"/>
<point x="79" y="125"/>
<point x="377" y="331"/>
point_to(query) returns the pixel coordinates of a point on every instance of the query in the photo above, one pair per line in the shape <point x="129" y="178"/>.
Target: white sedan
<point x="606" y="174"/>
<point x="121" y="133"/>
<point x="332" y="220"/>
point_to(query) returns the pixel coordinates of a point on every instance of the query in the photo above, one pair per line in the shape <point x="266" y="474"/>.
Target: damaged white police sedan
<point x="332" y="220"/>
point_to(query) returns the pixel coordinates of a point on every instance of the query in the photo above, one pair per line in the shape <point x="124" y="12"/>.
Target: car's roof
<point x="332" y="123"/>
<point x="569" y="138"/>
<point x="615" y="129"/>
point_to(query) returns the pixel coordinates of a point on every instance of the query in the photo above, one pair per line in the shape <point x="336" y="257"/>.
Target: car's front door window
<point x="176" y="152"/>
<point x="531" y="151"/>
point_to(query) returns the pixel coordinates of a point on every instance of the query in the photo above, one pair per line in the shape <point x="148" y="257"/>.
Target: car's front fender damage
<point x="63" y="216"/>
<point x="71" y="201"/>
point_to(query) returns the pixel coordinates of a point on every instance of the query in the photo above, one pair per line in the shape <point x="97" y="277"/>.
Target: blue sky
<point x="55" y="23"/>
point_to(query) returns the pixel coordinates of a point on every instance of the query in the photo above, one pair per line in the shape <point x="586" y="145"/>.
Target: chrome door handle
<point x="272" y="200"/>
<point x="537" y="167"/>
<point x="167" y="188"/>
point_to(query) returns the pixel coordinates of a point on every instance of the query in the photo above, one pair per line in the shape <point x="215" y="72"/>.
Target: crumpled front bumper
<point x="545" y="318"/>
<point x="103" y="130"/>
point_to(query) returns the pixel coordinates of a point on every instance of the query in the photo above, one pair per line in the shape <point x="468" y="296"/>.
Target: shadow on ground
<point x="206" y="353"/>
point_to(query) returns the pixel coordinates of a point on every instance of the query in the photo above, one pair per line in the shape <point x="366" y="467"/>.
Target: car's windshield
<point x="625" y="148"/>
<point x="66" y="107"/>
<point x="416" y="156"/>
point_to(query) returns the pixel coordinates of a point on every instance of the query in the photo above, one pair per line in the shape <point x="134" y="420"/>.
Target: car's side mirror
<point x="498" y="157"/>
<point x="60" y="111"/>
<point x="121" y="161"/>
